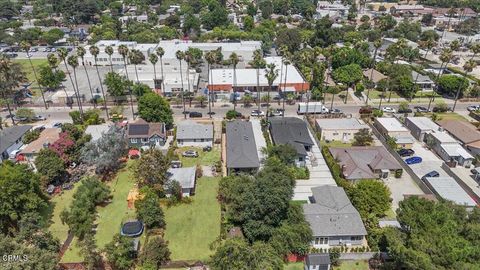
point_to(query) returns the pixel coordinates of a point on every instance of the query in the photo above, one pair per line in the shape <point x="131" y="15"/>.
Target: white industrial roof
<point x="449" y="189"/>
<point x="391" y="124"/>
<point x="423" y="123"/>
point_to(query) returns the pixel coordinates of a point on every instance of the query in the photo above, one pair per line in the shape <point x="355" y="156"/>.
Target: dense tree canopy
<point x="149" y="211"/>
<point x="50" y="166"/>
<point x="450" y="84"/>
<point x="154" y="108"/>
<point x="151" y="169"/>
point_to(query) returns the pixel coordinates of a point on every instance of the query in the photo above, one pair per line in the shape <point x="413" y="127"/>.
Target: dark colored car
<point x="406" y="152"/>
<point x="207" y="148"/>
<point x="405" y="110"/>
<point x="441" y="109"/>
<point x="365" y="110"/>
<point x="195" y="115"/>
<point x="430" y="174"/>
<point x="413" y="160"/>
<point x="421" y="109"/>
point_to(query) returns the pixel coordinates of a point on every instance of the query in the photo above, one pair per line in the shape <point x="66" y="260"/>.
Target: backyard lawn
<point x="352" y="265"/>
<point x="60" y="202"/>
<point x="204" y="158"/>
<point x="191" y="227"/>
<point x="294" y="266"/>
<point x="336" y="144"/>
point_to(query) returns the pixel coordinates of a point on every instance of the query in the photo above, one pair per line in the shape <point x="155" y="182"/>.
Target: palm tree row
<point x="95" y="51"/>
<point x="11" y="75"/>
<point x="63" y="54"/>
<point x="123" y="51"/>
<point x="26" y="47"/>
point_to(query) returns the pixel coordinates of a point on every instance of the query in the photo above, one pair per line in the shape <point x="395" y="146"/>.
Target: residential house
<point x="191" y="133"/>
<point x="333" y="219"/>
<point x="47" y="137"/>
<point x="412" y="10"/>
<point x="141" y="134"/>
<point x="96" y="131"/>
<point x="448" y="189"/>
<point x="391" y="127"/>
<point x="365" y="162"/>
<point x="342" y="129"/>
<point x="374" y="75"/>
<point x="423" y="82"/>
<point x="465" y="132"/>
<point x="438" y="69"/>
<point x="333" y="9"/>
<point x="292" y="131"/>
<point x="241" y="149"/>
<point x="11" y="140"/>
<point x="449" y="149"/>
<point x="317" y="261"/>
<point x="419" y="126"/>
<point x="186" y="177"/>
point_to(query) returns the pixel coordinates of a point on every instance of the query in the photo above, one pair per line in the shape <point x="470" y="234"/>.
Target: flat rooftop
<point x="341" y="123"/>
<point x="449" y="189"/>
<point x="391" y="124"/>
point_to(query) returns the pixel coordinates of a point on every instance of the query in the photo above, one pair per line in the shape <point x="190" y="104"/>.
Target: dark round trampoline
<point x="132" y="228"/>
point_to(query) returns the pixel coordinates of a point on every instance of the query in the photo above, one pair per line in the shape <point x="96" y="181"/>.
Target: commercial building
<point x="333" y="219"/>
<point x="391" y="127"/>
<point x="342" y="129"/>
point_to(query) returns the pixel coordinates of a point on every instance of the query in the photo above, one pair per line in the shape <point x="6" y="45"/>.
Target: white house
<point x="342" y="129"/>
<point x="191" y="133"/>
<point x="449" y="149"/>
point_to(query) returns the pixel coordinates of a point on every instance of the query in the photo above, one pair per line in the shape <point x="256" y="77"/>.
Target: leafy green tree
<point x="140" y="89"/>
<point x="324" y="34"/>
<point x="21" y="193"/>
<point x="26" y="113"/>
<point x="290" y="38"/>
<point x="385" y="22"/>
<point x="151" y="169"/>
<point x="285" y="153"/>
<point x="53" y="35"/>
<point x="248" y="23"/>
<point x="349" y="74"/>
<point x="215" y="16"/>
<point x="346" y="56"/>
<point x="154" y="108"/>
<point x="175" y="190"/>
<point x="450" y="84"/>
<point x="155" y="253"/>
<point x="120" y="252"/>
<point x="238" y="254"/>
<point x="362" y="138"/>
<point x="266" y="7"/>
<point x="403" y="85"/>
<point x="8" y="9"/>
<point x="191" y="25"/>
<point x="50" y="166"/>
<point x="117" y="85"/>
<point x="370" y="197"/>
<point x="50" y="78"/>
<point x="149" y="211"/>
<point x="30" y="136"/>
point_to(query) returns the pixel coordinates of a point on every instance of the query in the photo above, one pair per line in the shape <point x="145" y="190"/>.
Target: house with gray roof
<point x="241" y="149"/>
<point x="365" y="162"/>
<point x="11" y="140"/>
<point x="185" y="177"/>
<point x="341" y="129"/>
<point x="448" y="189"/>
<point x="292" y="131"/>
<point x="333" y="219"/>
<point x="317" y="261"/>
<point x="96" y="131"/>
<point x="190" y="133"/>
<point x="422" y="81"/>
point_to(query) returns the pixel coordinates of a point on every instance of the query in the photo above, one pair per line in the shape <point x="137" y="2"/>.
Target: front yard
<point x="192" y="227"/>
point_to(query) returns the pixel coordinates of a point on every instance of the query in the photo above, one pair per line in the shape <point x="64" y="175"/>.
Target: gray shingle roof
<point x="184" y="176"/>
<point x="317" y="259"/>
<point x="293" y="131"/>
<point x="193" y="130"/>
<point x="241" y="147"/>
<point x="332" y="214"/>
<point x="9" y="135"/>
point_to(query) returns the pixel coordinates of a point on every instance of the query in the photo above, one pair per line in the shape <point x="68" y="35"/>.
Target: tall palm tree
<point x="63" y="54"/>
<point x="53" y="62"/>
<point x="258" y="63"/>
<point x="26" y="47"/>
<point x="160" y="53"/>
<point x="377" y="44"/>
<point x="11" y="75"/>
<point x="72" y="60"/>
<point x="286" y="62"/>
<point x="153" y="58"/>
<point x="95" y="51"/>
<point x="188" y="59"/>
<point x="81" y="53"/>
<point x="467" y="67"/>
<point x="271" y="74"/>
<point x="136" y="57"/>
<point x="218" y="60"/>
<point x="210" y="57"/>
<point x="475" y="48"/>
<point x="180" y="55"/>
<point x="234" y="62"/>
<point x="123" y="51"/>
<point x="109" y="51"/>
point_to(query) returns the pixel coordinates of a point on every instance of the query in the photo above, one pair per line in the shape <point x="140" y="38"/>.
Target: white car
<point x="472" y="108"/>
<point x="388" y="110"/>
<point x="14" y="154"/>
<point x="257" y="113"/>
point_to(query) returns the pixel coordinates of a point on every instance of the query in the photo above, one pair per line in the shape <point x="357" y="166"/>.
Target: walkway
<point x="319" y="174"/>
<point x="259" y="139"/>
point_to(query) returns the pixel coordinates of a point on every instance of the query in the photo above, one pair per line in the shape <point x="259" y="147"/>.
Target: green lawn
<point x="448" y="116"/>
<point x="60" y="202"/>
<point x="110" y="217"/>
<point x="294" y="266"/>
<point x="336" y="144"/>
<point x="375" y="94"/>
<point x="352" y="265"/>
<point x="192" y="227"/>
<point x="390" y="214"/>
<point x="204" y="158"/>
<point x="27" y="68"/>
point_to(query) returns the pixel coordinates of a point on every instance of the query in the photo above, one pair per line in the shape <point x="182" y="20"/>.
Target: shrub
<point x="232" y="115"/>
<point x="335" y="169"/>
<point x="377" y="113"/>
<point x="30" y="136"/>
<point x="398" y="173"/>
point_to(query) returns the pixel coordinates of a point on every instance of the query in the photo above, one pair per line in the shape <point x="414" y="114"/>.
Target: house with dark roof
<point x="11" y="140"/>
<point x="333" y="219"/>
<point x="191" y="133"/>
<point x="241" y="149"/>
<point x="292" y="131"/>
<point x="365" y="162"/>
<point x="317" y="261"/>
<point x="143" y="134"/>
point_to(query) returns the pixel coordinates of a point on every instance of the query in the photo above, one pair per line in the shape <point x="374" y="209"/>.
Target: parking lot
<point x="430" y="162"/>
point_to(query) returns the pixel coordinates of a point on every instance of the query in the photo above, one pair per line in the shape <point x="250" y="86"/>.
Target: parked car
<point x="190" y="153"/>
<point x="195" y="115"/>
<point x="207" y="148"/>
<point x="40" y="118"/>
<point x="257" y="113"/>
<point x="39" y="128"/>
<point x="430" y="174"/>
<point x="176" y="164"/>
<point x="365" y="110"/>
<point x="14" y="154"/>
<point x="405" y="110"/>
<point x="336" y="111"/>
<point x="19" y="119"/>
<point x="406" y="152"/>
<point x="57" y="125"/>
<point x="388" y="110"/>
<point x="413" y="160"/>
<point x="441" y="109"/>
<point x="420" y="109"/>
<point x="472" y="108"/>
<point x="277" y="112"/>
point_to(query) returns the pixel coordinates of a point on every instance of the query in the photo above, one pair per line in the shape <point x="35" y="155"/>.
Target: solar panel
<point x="138" y="129"/>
